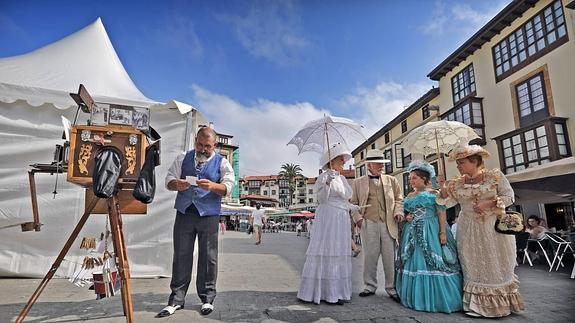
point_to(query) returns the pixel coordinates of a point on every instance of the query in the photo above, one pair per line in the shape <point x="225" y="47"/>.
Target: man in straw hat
<point x="381" y="207"/>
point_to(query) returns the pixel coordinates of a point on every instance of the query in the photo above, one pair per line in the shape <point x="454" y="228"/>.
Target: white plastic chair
<point x="538" y="243"/>
<point x="562" y="246"/>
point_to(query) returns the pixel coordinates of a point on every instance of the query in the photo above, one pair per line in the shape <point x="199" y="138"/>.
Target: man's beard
<point x="202" y="157"/>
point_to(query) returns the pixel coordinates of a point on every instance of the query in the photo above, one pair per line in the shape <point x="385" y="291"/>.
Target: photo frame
<point x="141" y="118"/>
<point x="120" y="115"/>
<point x="100" y="115"/>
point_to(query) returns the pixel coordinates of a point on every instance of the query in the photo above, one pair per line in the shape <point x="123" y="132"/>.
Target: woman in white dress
<point x="326" y="273"/>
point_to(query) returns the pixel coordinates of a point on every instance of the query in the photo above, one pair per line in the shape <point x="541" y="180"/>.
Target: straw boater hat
<point x="334" y="151"/>
<point x="466" y="151"/>
<point x="376" y="156"/>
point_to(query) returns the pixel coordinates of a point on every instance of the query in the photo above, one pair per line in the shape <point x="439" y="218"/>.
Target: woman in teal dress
<point x="428" y="272"/>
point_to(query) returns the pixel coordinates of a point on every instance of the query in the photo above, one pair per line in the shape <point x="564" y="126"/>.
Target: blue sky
<point x="261" y="69"/>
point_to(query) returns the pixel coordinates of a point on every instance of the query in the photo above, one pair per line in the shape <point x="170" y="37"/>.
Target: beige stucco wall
<point x="497" y="97"/>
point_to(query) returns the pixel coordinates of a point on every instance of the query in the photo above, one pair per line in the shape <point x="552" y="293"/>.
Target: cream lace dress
<point x="490" y="286"/>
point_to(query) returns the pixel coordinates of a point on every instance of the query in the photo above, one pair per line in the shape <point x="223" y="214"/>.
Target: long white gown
<point x="326" y="273"/>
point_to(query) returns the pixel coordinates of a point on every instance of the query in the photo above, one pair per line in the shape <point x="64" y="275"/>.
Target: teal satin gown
<point x="426" y="279"/>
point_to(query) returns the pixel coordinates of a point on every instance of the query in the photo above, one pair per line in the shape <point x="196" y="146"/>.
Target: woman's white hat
<point x="375" y="156"/>
<point x="335" y="150"/>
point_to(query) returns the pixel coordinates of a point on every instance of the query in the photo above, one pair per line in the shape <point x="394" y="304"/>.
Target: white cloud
<point x="181" y="34"/>
<point x="375" y="107"/>
<point x="263" y="128"/>
<point x="270" y="30"/>
<point x="459" y="18"/>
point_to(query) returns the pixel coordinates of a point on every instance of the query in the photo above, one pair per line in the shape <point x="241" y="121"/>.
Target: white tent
<point x="34" y="94"/>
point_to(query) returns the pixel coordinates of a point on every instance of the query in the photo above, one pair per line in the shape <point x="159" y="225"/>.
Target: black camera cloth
<point x="146" y="186"/>
<point x="107" y="169"/>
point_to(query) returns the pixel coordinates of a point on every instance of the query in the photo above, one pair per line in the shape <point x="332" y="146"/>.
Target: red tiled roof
<point x="260" y="178"/>
<point x="258" y="198"/>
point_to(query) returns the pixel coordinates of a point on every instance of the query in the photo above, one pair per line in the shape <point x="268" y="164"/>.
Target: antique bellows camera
<point x="107" y="155"/>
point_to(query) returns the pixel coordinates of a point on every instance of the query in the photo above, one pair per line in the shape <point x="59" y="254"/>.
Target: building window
<point x="254" y="184"/>
<point x="542" y="33"/>
<point x="223" y="140"/>
<point x="310" y="191"/>
<point x="469" y="112"/>
<point x="310" y="200"/>
<point x="360" y="171"/>
<point x="388" y="166"/>
<point x="284" y="183"/>
<point x="406" y="159"/>
<point x="463" y="84"/>
<point x="398" y="156"/>
<point x="386" y="137"/>
<point x="406" y="185"/>
<point x="373" y="146"/>
<point x="425" y="112"/>
<point x="361" y="155"/>
<point x="273" y="192"/>
<point x="539" y="144"/>
<point x="531" y="100"/>
<point x="403" y="126"/>
<point x="266" y="193"/>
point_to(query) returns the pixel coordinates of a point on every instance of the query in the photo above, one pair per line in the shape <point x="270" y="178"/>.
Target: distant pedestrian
<point x="298" y="228"/>
<point x="257" y="220"/>
<point x="222" y="227"/>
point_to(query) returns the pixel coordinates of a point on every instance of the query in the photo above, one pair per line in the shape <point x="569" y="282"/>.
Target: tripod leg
<point x="121" y="256"/>
<point x="57" y="263"/>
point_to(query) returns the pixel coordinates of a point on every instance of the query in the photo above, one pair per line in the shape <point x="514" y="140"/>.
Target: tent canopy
<point x="48" y="74"/>
<point x="34" y="95"/>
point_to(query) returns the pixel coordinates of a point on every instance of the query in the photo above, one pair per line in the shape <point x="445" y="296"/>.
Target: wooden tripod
<point x="119" y="250"/>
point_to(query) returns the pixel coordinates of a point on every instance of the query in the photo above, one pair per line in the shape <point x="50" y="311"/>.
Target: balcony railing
<point x="536" y="144"/>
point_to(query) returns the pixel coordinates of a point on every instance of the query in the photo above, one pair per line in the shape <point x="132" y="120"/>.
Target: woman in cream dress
<point x="490" y="286"/>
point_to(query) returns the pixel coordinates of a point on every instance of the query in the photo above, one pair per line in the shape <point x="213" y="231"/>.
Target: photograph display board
<point x="113" y="114"/>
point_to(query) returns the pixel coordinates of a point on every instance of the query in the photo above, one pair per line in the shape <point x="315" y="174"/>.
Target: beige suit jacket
<point x="393" y="200"/>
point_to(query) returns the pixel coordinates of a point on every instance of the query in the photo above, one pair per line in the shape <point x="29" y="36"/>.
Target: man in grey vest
<point x="381" y="207"/>
<point x="201" y="177"/>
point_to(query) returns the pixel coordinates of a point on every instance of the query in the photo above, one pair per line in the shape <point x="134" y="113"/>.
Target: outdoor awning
<point x="548" y="183"/>
<point x="302" y="214"/>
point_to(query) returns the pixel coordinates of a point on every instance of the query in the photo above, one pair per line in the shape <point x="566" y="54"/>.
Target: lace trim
<point x="493" y="302"/>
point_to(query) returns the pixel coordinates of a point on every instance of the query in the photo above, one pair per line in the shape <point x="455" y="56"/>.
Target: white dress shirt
<point x="226" y="170"/>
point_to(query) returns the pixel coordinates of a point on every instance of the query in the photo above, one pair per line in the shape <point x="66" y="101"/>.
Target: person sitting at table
<point x="534" y="227"/>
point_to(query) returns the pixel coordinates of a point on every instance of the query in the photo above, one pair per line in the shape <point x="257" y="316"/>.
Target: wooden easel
<point x="119" y="251"/>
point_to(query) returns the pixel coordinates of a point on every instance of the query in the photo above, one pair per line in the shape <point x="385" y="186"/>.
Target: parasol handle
<point x="328" y="147"/>
<point x="439" y="161"/>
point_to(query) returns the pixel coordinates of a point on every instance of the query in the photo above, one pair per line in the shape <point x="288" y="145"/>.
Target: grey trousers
<point x="377" y="242"/>
<point x="186" y="228"/>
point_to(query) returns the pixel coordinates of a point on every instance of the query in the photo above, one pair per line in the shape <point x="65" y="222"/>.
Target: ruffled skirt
<point x="326" y="273"/>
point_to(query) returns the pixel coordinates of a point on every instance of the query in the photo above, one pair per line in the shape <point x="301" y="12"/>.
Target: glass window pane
<point x="519" y="159"/>
<point x="544" y="152"/>
<point x="558" y="128"/>
<point x="540" y="131"/>
<point x="506" y="143"/>
<point x="542" y="141"/>
<point x="530" y="145"/>
<point x="508" y="161"/>
<point x="563" y="150"/>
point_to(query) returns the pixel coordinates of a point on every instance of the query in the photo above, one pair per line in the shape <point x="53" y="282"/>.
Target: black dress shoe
<point x="366" y="293"/>
<point x="339" y="302"/>
<point x="207" y="308"/>
<point x="169" y="310"/>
